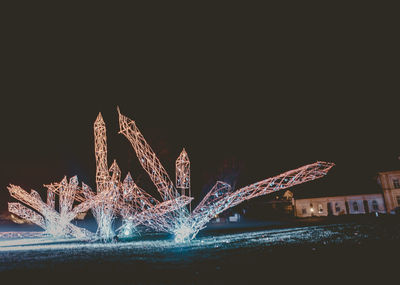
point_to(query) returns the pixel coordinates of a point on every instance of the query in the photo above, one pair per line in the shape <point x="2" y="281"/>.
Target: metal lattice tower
<point x="100" y="150"/>
<point x="147" y="158"/>
<point x="182" y="174"/>
<point x="104" y="212"/>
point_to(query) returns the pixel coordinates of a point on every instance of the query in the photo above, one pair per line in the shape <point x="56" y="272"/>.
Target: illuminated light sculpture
<point x="132" y="215"/>
<point x="26" y="214"/>
<point x="222" y="196"/>
<point x="135" y="205"/>
<point x="109" y="204"/>
<point x="182" y="174"/>
<point x="137" y="201"/>
<point x="100" y="150"/>
<point x="57" y="188"/>
<point x="185" y="226"/>
<point x="84" y="195"/>
<point x="114" y="197"/>
<point x="103" y="213"/>
<point x="152" y="165"/>
<point x="67" y="192"/>
<point x="103" y="206"/>
<point x="51" y="199"/>
<point x="54" y="223"/>
<point x="67" y="197"/>
<point x="140" y="208"/>
<point x="155" y="217"/>
<point x="147" y="158"/>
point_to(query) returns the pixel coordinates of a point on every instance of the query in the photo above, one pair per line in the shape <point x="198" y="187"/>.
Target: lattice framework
<point x="222" y="197"/>
<point x="147" y="158"/>
<point x="182" y="173"/>
<point x="54" y="223"/>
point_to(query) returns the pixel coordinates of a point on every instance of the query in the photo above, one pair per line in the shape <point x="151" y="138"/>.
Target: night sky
<point x="250" y="92"/>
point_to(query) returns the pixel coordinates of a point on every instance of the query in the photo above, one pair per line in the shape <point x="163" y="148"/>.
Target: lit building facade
<point x="340" y="205"/>
<point x="390" y="184"/>
<point x="388" y="201"/>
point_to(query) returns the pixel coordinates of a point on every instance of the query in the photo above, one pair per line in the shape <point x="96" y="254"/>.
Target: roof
<point x="339" y="196"/>
<point x="390" y="172"/>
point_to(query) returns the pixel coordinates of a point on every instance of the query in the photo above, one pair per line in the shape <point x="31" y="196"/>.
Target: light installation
<point x="222" y="196"/>
<point x="104" y="212"/>
<point x="157" y="173"/>
<point x="182" y="174"/>
<point x="185" y="226"/>
<point x="135" y="206"/>
<point x="54" y="223"/>
<point x="140" y="208"/>
<point x="113" y="198"/>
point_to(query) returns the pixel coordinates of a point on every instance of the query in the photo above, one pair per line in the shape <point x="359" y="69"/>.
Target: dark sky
<point x="265" y="89"/>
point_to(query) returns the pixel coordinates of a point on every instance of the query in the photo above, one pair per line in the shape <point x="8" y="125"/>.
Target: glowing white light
<point x="183" y="233"/>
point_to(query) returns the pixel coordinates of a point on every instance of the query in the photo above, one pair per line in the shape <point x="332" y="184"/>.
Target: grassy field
<point x="357" y="251"/>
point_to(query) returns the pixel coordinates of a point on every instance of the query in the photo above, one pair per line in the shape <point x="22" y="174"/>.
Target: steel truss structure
<point x="46" y="217"/>
<point x="104" y="211"/>
<point x="221" y="196"/>
<point x="133" y="204"/>
<point x="147" y="158"/>
<point x="182" y="174"/>
<point x="157" y="173"/>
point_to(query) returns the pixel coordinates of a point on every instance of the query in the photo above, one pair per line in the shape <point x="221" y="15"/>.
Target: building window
<point x="375" y="205"/>
<point x="337" y="207"/>
<point x="396" y="183"/>
<point x="398" y="200"/>
<point x="320" y="209"/>
<point x="355" y="206"/>
<point x="304" y="211"/>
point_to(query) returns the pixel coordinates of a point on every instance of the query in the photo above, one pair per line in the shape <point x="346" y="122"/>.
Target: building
<point x="387" y="201"/>
<point x="340" y="205"/>
<point x="390" y="183"/>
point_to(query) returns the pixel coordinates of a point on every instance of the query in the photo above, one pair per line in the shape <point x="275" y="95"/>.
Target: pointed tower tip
<point x="99" y="119"/>
<point x="118" y="110"/>
<point x="183" y="152"/>
<point x="64" y="180"/>
<point x="128" y="177"/>
<point x="114" y="166"/>
<point x="73" y="180"/>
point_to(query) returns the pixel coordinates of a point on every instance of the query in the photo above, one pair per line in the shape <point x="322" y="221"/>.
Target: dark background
<point x="249" y="91"/>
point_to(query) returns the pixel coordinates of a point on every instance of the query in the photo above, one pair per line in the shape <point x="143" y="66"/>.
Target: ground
<point x="361" y="251"/>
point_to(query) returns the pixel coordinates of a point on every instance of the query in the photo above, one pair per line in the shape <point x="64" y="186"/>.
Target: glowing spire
<point x="182" y="174"/>
<point x="116" y="171"/>
<point x="100" y="150"/>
